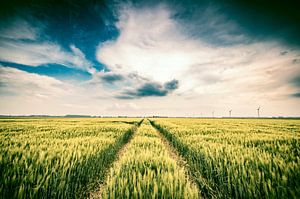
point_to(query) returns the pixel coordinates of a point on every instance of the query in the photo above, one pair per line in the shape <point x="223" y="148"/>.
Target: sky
<point x="142" y="58"/>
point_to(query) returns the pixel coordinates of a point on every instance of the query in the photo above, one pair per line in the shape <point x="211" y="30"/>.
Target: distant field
<point x="158" y="158"/>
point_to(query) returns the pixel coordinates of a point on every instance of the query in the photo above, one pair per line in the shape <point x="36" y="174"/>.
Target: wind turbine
<point x="213" y="114"/>
<point x="258" y="111"/>
<point x="230" y="113"/>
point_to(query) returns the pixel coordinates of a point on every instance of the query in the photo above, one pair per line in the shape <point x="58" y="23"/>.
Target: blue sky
<point x="149" y="58"/>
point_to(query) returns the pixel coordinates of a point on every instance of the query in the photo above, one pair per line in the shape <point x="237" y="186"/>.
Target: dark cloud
<point x="255" y="20"/>
<point x="171" y="85"/>
<point x="275" y="19"/>
<point x="82" y="20"/>
<point x="296" y="81"/>
<point x="53" y="70"/>
<point x="111" y="78"/>
<point x="136" y="77"/>
<point x="296" y="95"/>
<point x="296" y="61"/>
<point x="88" y="22"/>
<point x="150" y="89"/>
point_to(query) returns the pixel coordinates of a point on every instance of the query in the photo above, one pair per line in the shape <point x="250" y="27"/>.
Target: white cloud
<point x="18" y="29"/>
<point x="146" y="45"/>
<point x="210" y="24"/>
<point x="153" y="45"/>
<point x="35" y="51"/>
<point x="78" y="59"/>
<point x="240" y="76"/>
<point x="28" y="93"/>
<point x="17" y="82"/>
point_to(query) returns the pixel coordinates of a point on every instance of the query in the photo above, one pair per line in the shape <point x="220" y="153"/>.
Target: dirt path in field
<point x="171" y="152"/>
<point x="98" y="192"/>
<point x="180" y="161"/>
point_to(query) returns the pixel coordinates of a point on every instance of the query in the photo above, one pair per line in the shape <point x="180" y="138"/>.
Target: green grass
<point x="57" y="158"/>
<point x="146" y="170"/>
<point x="239" y="158"/>
<point x="225" y="158"/>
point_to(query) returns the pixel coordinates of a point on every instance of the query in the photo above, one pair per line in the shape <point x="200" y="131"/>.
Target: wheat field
<point x="149" y="158"/>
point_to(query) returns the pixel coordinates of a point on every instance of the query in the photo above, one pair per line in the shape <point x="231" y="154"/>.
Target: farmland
<point x="238" y="158"/>
<point x="156" y="158"/>
<point x="57" y="157"/>
<point x="146" y="170"/>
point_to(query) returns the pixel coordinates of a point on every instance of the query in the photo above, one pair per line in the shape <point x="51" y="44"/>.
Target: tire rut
<point x="96" y="194"/>
<point x="179" y="159"/>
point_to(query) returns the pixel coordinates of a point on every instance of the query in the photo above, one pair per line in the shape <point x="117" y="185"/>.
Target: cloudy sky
<point x="175" y="58"/>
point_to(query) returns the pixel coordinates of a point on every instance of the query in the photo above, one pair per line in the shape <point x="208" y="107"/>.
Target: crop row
<point x="146" y="170"/>
<point x="57" y="158"/>
<point x="239" y="158"/>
